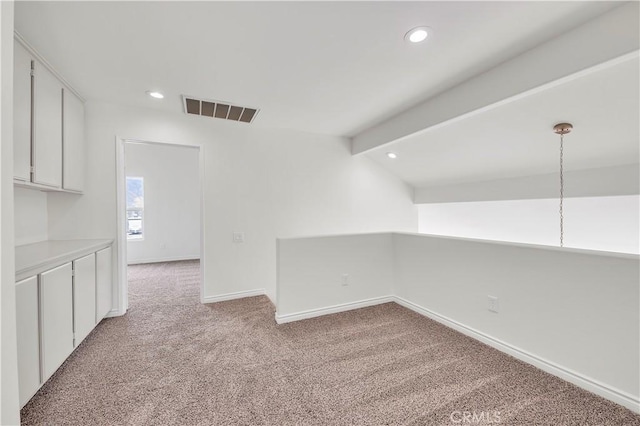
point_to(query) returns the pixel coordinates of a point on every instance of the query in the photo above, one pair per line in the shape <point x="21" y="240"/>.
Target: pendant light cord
<point x="561" y="191"/>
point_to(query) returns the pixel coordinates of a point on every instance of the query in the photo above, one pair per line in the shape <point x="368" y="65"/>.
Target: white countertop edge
<point x="576" y="250"/>
<point x="41" y="264"/>
<point x="590" y="252"/>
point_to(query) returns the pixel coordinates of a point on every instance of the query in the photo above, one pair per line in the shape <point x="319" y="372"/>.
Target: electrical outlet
<point x="345" y="279"/>
<point x="238" y="237"/>
<point x="163" y="246"/>
<point x="493" y="304"/>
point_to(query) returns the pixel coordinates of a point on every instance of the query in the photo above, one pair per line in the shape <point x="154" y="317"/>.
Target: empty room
<point x="161" y="215"/>
<point x="320" y="213"/>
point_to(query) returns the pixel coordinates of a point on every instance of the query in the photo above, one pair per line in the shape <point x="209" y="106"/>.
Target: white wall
<point x="266" y="183"/>
<point x="9" y="409"/>
<point x="171" y="202"/>
<point x="574" y="313"/>
<point x="30" y="216"/>
<point x="578" y="310"/>
<point x="597" y="223"/>
<point x="310" y="273"/>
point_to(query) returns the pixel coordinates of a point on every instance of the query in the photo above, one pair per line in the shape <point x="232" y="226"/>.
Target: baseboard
<point x="619" y="397"/>
<point x="162" y="259"/>
<point x="312" y="313"/>
<point x="232" y="296"/>
<point x="115" y="312"/>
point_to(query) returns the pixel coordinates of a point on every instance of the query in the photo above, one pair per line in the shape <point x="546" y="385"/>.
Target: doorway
<point x="160" y="213"/>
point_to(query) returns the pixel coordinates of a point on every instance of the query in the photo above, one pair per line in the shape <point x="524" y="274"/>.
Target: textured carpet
<point x="174" y="361"/>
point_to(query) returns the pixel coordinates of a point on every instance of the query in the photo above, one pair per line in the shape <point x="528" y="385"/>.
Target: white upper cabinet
<point x="47" y="134"/>
<point x="48" y="120"/>
<point x="72" y="142"/>
<point x="21" y="113"/>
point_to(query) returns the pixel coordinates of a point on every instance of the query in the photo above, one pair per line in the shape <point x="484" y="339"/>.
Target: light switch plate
<point x="493" y="304"/>
<point x="238" y="237"/>
<point x="345" y="279"/>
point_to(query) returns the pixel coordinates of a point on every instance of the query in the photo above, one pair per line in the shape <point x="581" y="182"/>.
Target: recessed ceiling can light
<point x="417" y="34"/>
<point x="392" y="155"/>
<point x="156" y="95"/>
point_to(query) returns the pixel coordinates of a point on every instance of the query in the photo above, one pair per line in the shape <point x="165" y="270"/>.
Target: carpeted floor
<point x="174" y="361"/>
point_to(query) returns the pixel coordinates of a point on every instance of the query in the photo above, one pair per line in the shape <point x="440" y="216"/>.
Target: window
<point x="135" y="208"/>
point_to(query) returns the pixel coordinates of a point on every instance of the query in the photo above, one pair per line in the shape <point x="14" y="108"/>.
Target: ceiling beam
<point x="601" y="182"/>
<point x="608" y="38"/>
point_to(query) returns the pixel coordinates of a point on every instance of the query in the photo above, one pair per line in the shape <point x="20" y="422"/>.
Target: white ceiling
<point x="323" y="67"/>
<point x="516" y="139"/>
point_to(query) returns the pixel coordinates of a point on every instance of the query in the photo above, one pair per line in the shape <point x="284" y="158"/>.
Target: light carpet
<point x="174" y="361"/>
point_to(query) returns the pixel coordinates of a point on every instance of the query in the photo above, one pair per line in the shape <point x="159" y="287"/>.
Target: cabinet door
<point x="103" y="283"/>
<point x="56" y="315"/>
<point x="72" y="142"/>
<point x="84" y="297"/>
<point x="21" y="113"/>
<point x="47" y="127"/>
<point x="28" y="338"/>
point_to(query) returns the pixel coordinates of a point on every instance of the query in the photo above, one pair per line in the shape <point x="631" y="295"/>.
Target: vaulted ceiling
<point x="516" y="139"/>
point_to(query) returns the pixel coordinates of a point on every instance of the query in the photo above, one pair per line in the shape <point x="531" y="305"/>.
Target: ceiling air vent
<point x="217" y="109"/>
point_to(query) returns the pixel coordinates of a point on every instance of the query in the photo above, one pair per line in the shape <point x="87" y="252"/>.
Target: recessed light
<point x="156" y="95"/>
<point x="417" y="34"/>
<point x="392" y="155"/>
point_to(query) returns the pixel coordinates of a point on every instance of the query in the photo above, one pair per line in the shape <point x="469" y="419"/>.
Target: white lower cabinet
<point x="28" y="337"/>
<point x="56" y="310"/>
<point x="56" y="313"/>
<point x="84" y="297"/>
<point x="103" y="283"/>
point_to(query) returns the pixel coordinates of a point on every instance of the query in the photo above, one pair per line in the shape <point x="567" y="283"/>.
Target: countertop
<point x="32" y="259"/>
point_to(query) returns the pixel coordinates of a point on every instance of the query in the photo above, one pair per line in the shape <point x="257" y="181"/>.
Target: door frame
<point x="122" y="293"/>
